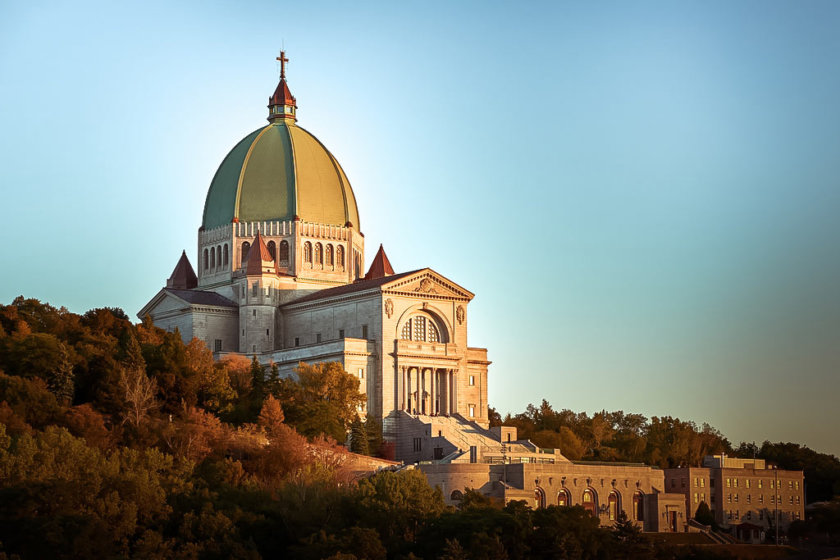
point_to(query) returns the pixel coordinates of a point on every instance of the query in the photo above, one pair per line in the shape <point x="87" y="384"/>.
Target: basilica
<point x="281" y="277"/>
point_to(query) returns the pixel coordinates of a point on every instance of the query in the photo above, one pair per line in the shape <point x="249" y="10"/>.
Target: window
<point x="472" y="410"/>
<point x="702" y="483"/>
<point x="702" y="496"/>
<point x="791" y="500"/>
<point x="254" y="311"/>
<point x="797" y="500"/>
<point x="797" y="485"/>
<point x="472" y="380"/>
<point x="225" y="253"/>
<point x="254" y="348"/>
<point x="736" y="498"/>
<point x="696" y="483"/>
<point x="761" y="498"/>
<point x="206" y="260"/>
<point x="749" y="499"/>
<point x="760" y="483"/>
<point x="638" y="506"/>
<point x="212" y="258"/>
<point x="297" y="341"/>
<point x="267" y="332"/>
<point x="340" y="333"/>
<point x="747" y="482"/>
<point x="760" y="514"/>
<point x="329" y="252"/>
<point x="790" y="485"/>
<point x="735" y="482"/>
<point x="729" y="498"/>
<point x="339" y="257"/>
<point x="272" y="250"/>
<point x="406" y="331"/>
<point x="318" y="337"/>
<point x="319" y="255"/>
<point x="361" y="373"/>
<point x="284" y="252"/>
<point x="246" y="247"/>
<point x="456" y="495"/>
<point x="696" y="498"/>
<point x="434" y="336"/>
<point x="729" y="483"/>
<point x="612" y="502"/>
<point x="217" y="345"/>
<point x="307" y="253"/>
<point x="419" y="328"/>
<point x="418" y="444"/>
<point x="364" y="332"/>
<point x="563" y="498"/>
<point x="255" y="289"/>
<point x="772" y="484"/>
<point x="749" y="515"/>
<point x="219" y="255"/>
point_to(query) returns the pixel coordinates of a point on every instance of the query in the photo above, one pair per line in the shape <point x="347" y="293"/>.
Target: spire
<point x="260" y="260"/>
<point x="183" y="277"/>
<point x="380" y="267"/>
<point x="282" y="104"/>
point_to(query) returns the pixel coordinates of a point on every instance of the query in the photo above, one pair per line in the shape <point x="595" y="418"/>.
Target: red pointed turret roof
<point x="183" y="277"/>
<point x="260" y="260"/>
<point x="282" y="95"/>
<point x="380" y="267"/>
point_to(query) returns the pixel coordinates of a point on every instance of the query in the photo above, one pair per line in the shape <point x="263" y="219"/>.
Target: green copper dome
<point x="277" y="173"/>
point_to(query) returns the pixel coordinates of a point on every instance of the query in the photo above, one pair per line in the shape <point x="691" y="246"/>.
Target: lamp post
<point x="776" y="500"/>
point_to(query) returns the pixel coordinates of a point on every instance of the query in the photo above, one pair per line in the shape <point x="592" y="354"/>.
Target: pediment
<point x="427" y="283"/>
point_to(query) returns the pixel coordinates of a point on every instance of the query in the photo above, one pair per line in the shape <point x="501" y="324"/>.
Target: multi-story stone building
<point x="280" y="276"/>
<point x="744" y="495"/>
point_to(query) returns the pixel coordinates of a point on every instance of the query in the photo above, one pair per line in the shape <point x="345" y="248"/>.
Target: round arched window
<point x="421" y="328"/>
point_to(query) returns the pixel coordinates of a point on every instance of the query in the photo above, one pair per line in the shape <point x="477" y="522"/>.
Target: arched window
<point x="272" y="250"/>
<point x="246" y="247"/>
<point x="358" y="264"/>
<point x="225" y="254"/>
<point x="590" y="501"/>
<point x="339" y="257"/>
<point x="539" y="498"/>
<point x="456" y="496"/>
<point x="206" y="260"/>
<point x="284" y="252"/>
<point x="319" y="255"/>
<point x="219" y="256"/>
<point x="329" y="254"/>
<point x="614" y="503"/>
<point x="307" y="253"/>
<point x="563" y="498"/>
<point x="422" y="328"/>
<point x="639" y="506"/>
<point x="212" y="258"/>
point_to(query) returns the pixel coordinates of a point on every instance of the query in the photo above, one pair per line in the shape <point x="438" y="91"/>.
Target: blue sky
<point x="644" y="196"/>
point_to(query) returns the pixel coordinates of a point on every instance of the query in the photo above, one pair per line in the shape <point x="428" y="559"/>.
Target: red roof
<point x="183" y="277"/>
<point x="282" y="95"/>
<point x="380" y="267"/>
<point x="260" y="259"/>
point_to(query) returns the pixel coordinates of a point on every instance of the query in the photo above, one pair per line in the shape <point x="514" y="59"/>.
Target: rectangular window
<point x="255" y="289"/>
<point x="729" y="498"/>
<point x="748" y="483"/>
<point x="254" y="348"/>
<point x="472" y="380"/>
<point x="702" y="496"/>
<point x="749" y="515"/>
<point x="735" y="482"/>
<point x="418" y="443"/>
<point x="340" y="333"/>
<point x="729" y="483"/>
<point x="217" y="345"/>
<point x="772" y="484"/>
<point x="361" y="373"/>
<point x="790" y="485"/>
<point x="791" y="500"/>
<point x="797" y="485"/>
<point x="761" y="498"/>
<point x="254" y="313"/>
<point x="736" y="498"/>
<point x="760" y="483"/>
<point x="267" y="332"/>
<point x="760" y="514"/>
<point x="318" y="337"/>
<point x="472" y="410"/>
<point x="702" y="483"/>
<point x="696" y="482"/>
<point x="696" y="498"/>
<point x="297" y="341"/>
<point x="749" y="499"/>
<point x="364" y="332"/>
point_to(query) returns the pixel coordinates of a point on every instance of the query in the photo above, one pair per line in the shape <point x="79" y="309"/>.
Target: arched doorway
<point x="539" y="498"/>
<point x="639" y="506"/>
<point x="564" y="498"/>
<point x="590" y="502"/>
<point x="614" y="505"/>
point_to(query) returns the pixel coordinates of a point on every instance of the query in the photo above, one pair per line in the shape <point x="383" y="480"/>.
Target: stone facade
<point x="741" y="491"/>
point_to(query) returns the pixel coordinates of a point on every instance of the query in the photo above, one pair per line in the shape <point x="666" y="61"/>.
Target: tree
<point x="271" y="415"/>
<point x="359" y="437"/>
<point x="704" y="514"/>
<point x="140" y="393"/>
<point x="323" y="400"/>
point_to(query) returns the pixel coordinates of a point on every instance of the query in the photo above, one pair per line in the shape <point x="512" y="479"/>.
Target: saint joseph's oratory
<point x="280" y="276"/>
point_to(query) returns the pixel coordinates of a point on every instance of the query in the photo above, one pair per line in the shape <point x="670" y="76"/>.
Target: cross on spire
<point x="283" y="60"/>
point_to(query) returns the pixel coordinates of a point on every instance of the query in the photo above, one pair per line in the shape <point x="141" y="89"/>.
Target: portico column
<point x="432" y="396"/>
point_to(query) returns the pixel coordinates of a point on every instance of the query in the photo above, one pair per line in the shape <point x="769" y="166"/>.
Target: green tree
<point x="704" y="514"/>
<point x="323" y="400"/>
<point x="359" y="437"/>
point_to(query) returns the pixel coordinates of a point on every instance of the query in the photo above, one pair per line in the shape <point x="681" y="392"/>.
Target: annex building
<point x="280" y="276"/>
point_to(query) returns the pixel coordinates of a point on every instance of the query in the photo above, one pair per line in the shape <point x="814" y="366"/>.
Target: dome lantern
<point x="282" y="105"/>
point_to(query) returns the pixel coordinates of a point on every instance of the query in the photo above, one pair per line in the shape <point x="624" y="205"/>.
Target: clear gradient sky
<point x="645" y="196"/>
